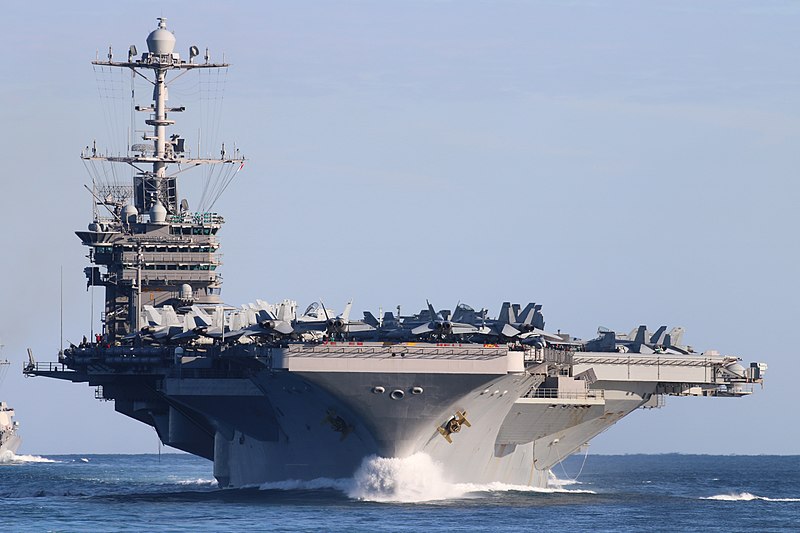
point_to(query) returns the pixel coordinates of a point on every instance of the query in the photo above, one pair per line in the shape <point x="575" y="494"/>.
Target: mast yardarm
<point x="155" y="185"/>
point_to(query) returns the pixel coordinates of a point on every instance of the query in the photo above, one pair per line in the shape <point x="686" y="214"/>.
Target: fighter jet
<point x="158" y="325"/>
<point x="526" y="325"/>
<point x="639" y="340"/>
<point x="440" y="327"/>
<point x="320" y="319"/>
<point x="262" y="321"/>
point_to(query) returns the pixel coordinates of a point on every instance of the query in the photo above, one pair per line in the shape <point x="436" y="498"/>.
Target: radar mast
<point x="154" y="251"/>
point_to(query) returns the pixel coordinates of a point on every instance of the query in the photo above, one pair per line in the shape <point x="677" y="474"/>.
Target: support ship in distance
<point x="271" y="394"/>
<point x="10" y="440"/>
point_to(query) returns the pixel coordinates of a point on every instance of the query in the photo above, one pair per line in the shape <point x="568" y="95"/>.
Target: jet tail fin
<point x="285" y="312"/>
<point x="370" y="319"/>
<point x="538" y="317"/>
<point x="676" y="336"/>
<point x="345" y="316"/>
<point x="169" y="316"/>
<point x="506" y="314"/>
<point x="657" y="337"/>
<point x="434" y="314"/>
<point x="152" y="315"/>
<point x="527" y="314"/>
<point x="641" y="332"/>
<point x="201" y="317"/>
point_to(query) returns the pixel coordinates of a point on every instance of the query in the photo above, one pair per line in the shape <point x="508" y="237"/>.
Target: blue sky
<point x="622" y="163"/>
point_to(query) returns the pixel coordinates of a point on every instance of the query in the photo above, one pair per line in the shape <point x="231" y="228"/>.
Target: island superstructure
<point x="270" y="394"/>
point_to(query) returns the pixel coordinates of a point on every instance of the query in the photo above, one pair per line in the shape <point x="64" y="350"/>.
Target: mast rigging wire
<point x="117" y="91"/>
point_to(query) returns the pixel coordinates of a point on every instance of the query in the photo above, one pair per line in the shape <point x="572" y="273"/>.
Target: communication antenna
<point x="132" y="52"/>
<point x="91" y="312"/>
<point x="4" y="366"/>
<point x="61" y="350"/>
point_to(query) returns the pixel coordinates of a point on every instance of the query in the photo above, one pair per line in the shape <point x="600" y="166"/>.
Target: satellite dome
<point x="186" y="292"/>
<point x="129" y="214"/>
<point x="736" y="368"/>
<point x="161" y="41"/>
<point x="158" y="213"/>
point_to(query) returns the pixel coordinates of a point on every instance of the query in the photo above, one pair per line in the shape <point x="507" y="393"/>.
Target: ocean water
<point x="612" y="493"/>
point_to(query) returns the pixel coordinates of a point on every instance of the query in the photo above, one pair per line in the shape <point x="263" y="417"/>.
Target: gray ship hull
<point x="318" y="412"/>
<point x="308" y="444"/>
<point x="10" y="445"/>
<point x="502" y="445"/>
<point x="10" y="440"/>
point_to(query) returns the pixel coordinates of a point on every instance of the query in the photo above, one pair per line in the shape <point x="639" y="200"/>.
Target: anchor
<point x="453" y="425"/>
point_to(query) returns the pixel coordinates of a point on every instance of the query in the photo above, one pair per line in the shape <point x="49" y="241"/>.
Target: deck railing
<point x="566" y="395"/>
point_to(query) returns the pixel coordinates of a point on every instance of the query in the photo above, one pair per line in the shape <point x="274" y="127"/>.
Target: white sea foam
<point x="413" y="479"/>
<point x="419" y="478"/>
<point x="9" y="457"/>
<point x="199" y="481"/>
<point x="553" y="481"/>
<point x="747" y="497"/>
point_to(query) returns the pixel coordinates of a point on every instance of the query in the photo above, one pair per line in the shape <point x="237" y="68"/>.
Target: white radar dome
<point x="186" y="292"/>
<point x="129" y="214"/>
<point x="736" y="368"/>
<point x="161" y="41"/>
<point x="158" y="213"/>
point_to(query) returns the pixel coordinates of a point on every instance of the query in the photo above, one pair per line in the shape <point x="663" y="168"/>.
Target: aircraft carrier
<point x="271" y="394"/>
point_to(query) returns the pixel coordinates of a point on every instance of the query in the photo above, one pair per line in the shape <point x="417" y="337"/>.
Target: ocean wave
<point x="747" y="497"/>
<point x="496" y="486"/>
